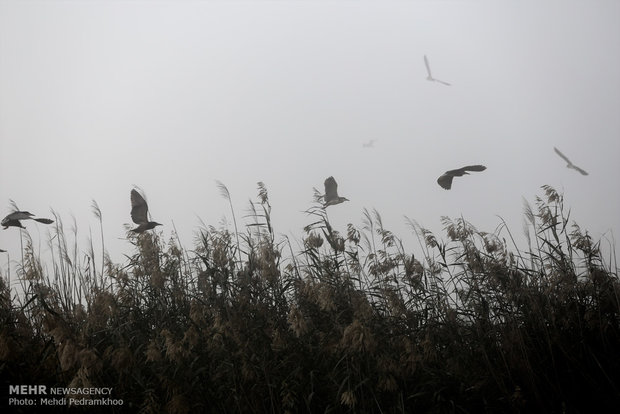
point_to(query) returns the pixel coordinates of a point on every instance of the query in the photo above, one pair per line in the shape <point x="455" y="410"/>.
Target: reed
<point x="346" y="322"/>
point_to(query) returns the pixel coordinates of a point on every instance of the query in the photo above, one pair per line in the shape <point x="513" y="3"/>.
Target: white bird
<point x="569" y="164"/>
<point x="430" y="76"/>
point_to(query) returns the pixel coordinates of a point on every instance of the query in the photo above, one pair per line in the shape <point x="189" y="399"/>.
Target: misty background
<point x="98" y="96"/>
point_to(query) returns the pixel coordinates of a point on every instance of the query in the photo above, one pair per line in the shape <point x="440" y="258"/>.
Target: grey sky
<point x="170" y="95"/>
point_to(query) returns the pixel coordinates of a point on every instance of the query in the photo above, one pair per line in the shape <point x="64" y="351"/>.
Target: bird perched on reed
<point x="446" y="179"/>
<point x="569" y="164"/>
<point x="139" y="213"/>
<point x="331" y="193"/>
<point x="13" y="219"/>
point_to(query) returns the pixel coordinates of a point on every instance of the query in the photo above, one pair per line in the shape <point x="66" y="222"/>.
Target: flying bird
<point x="13" y="219"/>
<point x="139" y="213"/>
<point x="12" y="223"/>
<point x="369" y="144"/>
<point x="446" y="179"/>
<point x="430" y="76"/>
<point x="331" y="193"/>
<point x="2" y="251"/>
<point x="569" y="164"/>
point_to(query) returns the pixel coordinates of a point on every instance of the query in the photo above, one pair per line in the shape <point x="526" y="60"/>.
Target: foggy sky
<point x="98" y="96"/>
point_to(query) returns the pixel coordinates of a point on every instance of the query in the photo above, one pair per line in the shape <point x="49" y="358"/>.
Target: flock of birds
<point x="139" y="207"/>
<point x="445" y="180"/>
<point x="139" y="215"/>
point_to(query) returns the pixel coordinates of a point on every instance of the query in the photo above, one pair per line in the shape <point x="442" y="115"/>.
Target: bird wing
<point x="44" y="220"/>
<point x="331" y="189"/>
<point x="428" y="67"/>
<point x="459" y="172"/>
<point x="474" y="168"/>
<point x="440" y="81"/>
<point x="445" y="181"/>
<point x="139" y="208"/>
<point x="578" y="169"/>
<point x="564" y="157"/>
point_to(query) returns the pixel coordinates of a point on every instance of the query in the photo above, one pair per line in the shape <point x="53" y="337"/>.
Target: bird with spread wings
<point x="569" y="164"/>
<point x="445" y="180"/>
<point x="139" y="213"/>
<point x="430" y="75"/>
<point x="331" y="196"/>
<point x="14" y="219"/>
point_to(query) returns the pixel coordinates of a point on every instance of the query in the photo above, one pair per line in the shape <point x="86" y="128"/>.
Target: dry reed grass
<point x="351" y="323"/>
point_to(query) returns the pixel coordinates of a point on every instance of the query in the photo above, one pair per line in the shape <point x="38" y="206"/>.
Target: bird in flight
<point x="13" y="219"/>
<point x="331" y="193"/>
<point x="430" y="76"/>
<point x="446" y="179"/>
<point x="569" y="164"/>
<point x="2" y="251"/>
<point x="139" y="213"/>
<point x="369" y="144"/>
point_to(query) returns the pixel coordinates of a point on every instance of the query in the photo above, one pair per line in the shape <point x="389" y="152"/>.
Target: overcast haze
<point x="98" y="96"/>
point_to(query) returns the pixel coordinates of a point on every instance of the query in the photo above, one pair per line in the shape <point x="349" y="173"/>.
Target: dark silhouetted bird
<point x="12" y="223"/>
<point x="446" y="179"/>
<point x="13" y="219"/>
<point x="2" y="251"/>
<point x="430" y="76"/>
<point x="139" y="213"/>
<point x="331" y="193"/>
<point x="569" y="164"/>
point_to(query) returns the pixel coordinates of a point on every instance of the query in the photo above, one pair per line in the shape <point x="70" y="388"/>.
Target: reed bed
<point x="345" y="322"/>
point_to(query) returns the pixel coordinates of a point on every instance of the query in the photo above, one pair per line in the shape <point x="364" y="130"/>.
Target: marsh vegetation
<point x="347" y="320"/>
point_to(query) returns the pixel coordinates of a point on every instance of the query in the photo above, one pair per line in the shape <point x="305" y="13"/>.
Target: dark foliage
<point x="347" y="324"/>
